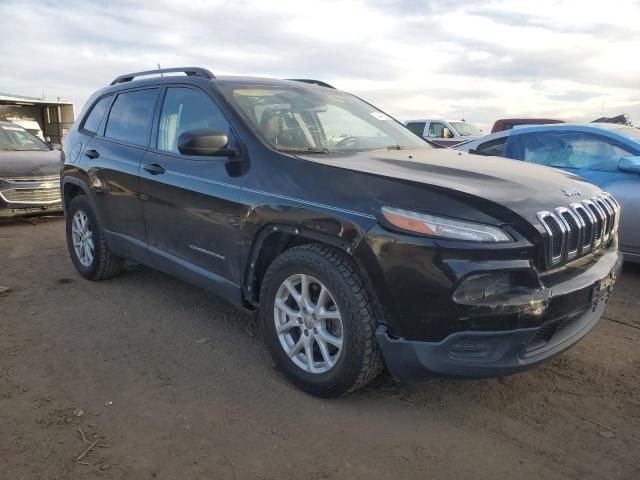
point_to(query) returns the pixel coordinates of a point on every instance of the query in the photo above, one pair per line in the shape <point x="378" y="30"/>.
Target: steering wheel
<point x="347" y="142"/>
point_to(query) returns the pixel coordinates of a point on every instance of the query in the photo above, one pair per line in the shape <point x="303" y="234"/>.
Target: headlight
<point x="443" y="227"/>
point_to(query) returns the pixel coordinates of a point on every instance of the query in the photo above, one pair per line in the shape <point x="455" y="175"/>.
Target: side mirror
<point x="205" y="142"/>
<point x="630" y="164"/>
<point x="446" y="133"/>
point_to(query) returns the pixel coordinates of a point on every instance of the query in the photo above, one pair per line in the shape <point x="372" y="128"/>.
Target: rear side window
<point x="416" y="127"/>
<point x="492" y="147"/>
<point x="94" y="119"/>
<point x="130" y="117"/>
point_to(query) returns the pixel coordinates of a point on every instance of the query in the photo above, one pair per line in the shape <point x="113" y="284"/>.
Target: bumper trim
<point x="497" y="353"/>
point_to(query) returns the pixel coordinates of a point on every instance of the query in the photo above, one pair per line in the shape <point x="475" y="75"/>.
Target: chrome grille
<point x="580" y="228"/>
<point x="47" y="179"/>
<point x="32" y="195"/>
<point x="43" y="190"/>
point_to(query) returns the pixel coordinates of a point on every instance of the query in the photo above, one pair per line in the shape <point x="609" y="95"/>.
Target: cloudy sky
<point x="413" y="58"/>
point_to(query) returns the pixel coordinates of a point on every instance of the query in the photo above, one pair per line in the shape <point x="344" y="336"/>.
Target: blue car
<point x="607" y="155"/>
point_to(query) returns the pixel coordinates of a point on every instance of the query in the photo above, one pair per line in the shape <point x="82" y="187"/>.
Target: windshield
<point x="318" y="120"/>
<point x="17" y="138"/>
<point x="465" y="129"/>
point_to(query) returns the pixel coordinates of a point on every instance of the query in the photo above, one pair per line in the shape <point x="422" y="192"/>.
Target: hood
<point x="522" y="187"/>
<point x="30" y="163"/>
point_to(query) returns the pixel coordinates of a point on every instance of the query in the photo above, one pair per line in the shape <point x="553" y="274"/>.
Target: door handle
<point x="92" y="154"/>
<point x="154" y="168"/>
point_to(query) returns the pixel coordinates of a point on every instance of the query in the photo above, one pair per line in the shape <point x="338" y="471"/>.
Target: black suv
<point x="358" y="243"/>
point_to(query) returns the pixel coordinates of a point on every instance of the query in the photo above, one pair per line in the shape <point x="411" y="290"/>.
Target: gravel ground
<point x="171" y="382"/>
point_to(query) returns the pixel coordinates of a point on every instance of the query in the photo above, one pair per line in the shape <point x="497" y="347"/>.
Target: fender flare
<point x="78" y="182"/>
<point x="293" y="231"/>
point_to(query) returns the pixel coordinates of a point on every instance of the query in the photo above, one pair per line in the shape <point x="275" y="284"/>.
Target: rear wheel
<point x="319" y="321"/>
<point x="88" y="249"/>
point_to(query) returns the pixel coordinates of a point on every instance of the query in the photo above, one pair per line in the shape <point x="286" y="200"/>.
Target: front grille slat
<point x="588" y="222"/>
<point x="32" y="195"/>
<point x="49" y="178"/>
<point x="579" y="229"/>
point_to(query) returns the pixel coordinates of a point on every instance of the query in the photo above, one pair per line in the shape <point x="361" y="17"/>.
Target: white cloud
<point x="413" y="58"/>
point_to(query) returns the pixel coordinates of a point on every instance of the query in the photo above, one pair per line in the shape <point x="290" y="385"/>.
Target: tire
<point x="103" y="264"/>
<point x="333" y="371"/>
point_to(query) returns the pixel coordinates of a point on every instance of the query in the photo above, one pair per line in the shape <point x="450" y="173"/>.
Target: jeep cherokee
<point x="357" y="243"/>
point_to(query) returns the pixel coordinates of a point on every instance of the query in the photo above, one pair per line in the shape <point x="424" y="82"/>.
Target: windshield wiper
<point x="305" y="150"/>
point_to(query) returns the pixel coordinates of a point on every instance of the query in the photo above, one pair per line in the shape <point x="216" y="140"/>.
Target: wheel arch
<point x="274" y="238"/>
<point x="74" y="186"/>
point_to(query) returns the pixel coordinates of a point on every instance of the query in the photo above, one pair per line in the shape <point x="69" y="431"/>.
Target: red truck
<point x="509" y="123"/>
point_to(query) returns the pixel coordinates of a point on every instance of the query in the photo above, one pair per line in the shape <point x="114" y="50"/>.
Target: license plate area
<point x="601" y="290"/>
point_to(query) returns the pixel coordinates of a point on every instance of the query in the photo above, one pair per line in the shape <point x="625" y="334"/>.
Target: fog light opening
<point x="494" y="288"/>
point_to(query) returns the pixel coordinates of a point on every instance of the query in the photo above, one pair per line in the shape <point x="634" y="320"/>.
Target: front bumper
<point x="573" y="307"/>
<point x="9" y="212"/>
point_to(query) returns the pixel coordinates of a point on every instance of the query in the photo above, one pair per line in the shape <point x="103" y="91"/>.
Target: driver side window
<point x="574" y="150"/>
<point x="435" y="129"/>
<point x="185" y="109"/>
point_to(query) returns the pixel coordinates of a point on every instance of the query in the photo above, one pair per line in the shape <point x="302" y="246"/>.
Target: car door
<point x="112" y="160"/>
<point x="191" y="203"/>
<point x="435" y="133"/>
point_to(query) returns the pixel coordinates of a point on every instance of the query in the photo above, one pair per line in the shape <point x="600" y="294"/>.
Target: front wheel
<point x="87" y="246"/>
<point x="319" y="321"/>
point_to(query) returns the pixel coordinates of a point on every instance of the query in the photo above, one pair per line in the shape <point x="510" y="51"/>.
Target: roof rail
<point x="312" y="82"/>
<point x="189" y="71"/>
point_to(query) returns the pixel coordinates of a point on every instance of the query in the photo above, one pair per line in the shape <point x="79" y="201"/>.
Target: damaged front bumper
<point x="548" y="319"/>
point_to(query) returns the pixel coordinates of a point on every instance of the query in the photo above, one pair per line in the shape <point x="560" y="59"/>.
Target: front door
<point x="192" y="203"/>
<point x="436" y="134"/>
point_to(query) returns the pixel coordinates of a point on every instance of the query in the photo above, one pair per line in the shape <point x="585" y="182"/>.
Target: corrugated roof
<point x="8" y="97"/>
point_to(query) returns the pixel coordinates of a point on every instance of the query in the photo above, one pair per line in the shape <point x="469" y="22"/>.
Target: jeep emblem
<point x="570" y="192"/>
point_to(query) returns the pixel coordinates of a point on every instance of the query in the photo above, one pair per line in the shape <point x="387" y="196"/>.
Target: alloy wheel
<point x="308" y="323"/>
<point x="82" y="238"/>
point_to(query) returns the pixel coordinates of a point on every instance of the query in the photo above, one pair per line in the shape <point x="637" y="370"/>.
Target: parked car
<point x="446" y="133"/>
<point x="605" y="154"/>
<point x="356" y="242"/>
<point x="29" y="174"/>
<point x="509" y="123"/>
<point x="622" y="119"/>
<point x="30" y="126"/>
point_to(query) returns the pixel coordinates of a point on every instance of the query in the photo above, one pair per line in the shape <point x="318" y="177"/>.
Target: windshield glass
<point x="15" y="138"/>
<point x="318" y="120"/>
<point x="465" y="129"/>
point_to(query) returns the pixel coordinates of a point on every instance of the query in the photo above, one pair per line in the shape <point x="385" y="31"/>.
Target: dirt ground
<point x="171" y="382"/>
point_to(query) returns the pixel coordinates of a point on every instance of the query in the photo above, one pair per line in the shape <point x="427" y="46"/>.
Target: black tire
<point x="360" y="360"/>
<point x="105" y="264"/>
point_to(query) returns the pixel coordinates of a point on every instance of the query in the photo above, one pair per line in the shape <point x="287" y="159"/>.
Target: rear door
<point x="112" y="160"/>
<point x="191" y="203"/>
